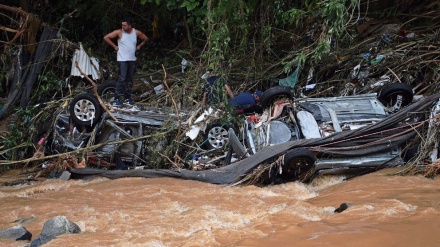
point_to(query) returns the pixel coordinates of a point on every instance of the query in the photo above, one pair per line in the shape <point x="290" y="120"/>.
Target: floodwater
<point x="384" y="211"/>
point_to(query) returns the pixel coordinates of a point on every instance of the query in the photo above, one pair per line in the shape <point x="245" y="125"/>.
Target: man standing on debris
<point x="213" y="91"/>
<point x="126" y="57"/>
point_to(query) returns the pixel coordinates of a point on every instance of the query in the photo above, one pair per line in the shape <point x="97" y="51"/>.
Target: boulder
<point x="54" y="227"/>
<point x="16" y="233"/>
<point x="65" y="175"/>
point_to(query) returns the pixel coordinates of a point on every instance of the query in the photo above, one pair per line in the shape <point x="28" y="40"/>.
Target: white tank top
<point x="127" y="46"/>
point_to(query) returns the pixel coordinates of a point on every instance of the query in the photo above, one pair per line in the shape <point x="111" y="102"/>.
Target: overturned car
<point x="348" y="135"/>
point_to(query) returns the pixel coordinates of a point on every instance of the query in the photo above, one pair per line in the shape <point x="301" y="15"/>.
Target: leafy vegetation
<point x="21" y="129"/>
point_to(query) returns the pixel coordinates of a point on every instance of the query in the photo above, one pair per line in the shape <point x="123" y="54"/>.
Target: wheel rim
<point x="298" y="167"/>
<point x="395" y="101"/>
<point x="218" y="137"/>
<point x="84" y="110"/>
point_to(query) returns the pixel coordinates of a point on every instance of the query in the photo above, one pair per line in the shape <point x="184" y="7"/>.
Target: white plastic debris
<point x="354" y="73"/>
<point x="158" y="89"/>
<point x="184" y="63"/>
<point x="206" y="75"/>
<point x="203" y="116"/>
<point x="193" y="132"/>
<point x="195" y="128"/>
<point x="310" y="86"/>
<point x="382" y="81"/>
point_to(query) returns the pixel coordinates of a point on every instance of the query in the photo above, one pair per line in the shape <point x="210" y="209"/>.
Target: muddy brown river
<point x="385" y="211"/>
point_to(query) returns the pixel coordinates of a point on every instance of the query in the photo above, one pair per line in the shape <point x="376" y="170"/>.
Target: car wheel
<point x="85" y="110"/>
<point x="272" y="94"/>
<point x="216" y="136"/>
<point x="107" y="91"/>
<point x="396" y="96"/>
<point x="298" y="163"/>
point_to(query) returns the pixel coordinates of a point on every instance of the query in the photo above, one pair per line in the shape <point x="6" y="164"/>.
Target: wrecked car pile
<point x="294" y="139"/>
<point x="372" y="142"/>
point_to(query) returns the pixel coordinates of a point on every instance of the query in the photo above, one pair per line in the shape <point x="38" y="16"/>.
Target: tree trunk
<point x="21" y="70"/>
<point x="43" y="51"/>
<point x="26" y="71"/>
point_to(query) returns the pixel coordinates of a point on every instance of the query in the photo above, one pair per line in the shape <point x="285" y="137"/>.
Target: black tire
<point x="297" y="164"/>
<point x="216" y="135"/>
<point x="273" y="93"/>
<point x="396" y="96"/>
<point x="85" y="110"/>
<point x="107" y="91"/>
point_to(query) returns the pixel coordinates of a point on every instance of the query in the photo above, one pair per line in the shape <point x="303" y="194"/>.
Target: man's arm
<point x="142" y="37"/>
<point x="204" y="99"/>
<point x="229" y="91"/>
<point x="108" y="38"/>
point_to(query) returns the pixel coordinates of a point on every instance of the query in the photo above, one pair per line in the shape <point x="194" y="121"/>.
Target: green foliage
<point x="334" y="13"/>
<point x="157" y="2"/>
<point x="21" y="132"/>
<point x="49" y="86"/>
<point x="223" y="28"/>
<point x="195" y="10"/>
<point x="321" y="49"/>
<point x="299" y="61"/>
<point x="218" y="46"/>
<point x="334" y="16"/>
<point x="294" y="17"/>
<point x="189" y="5"/>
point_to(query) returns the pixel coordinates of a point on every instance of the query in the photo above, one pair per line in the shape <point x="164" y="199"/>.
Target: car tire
<point x="216" y="135"/>
<point x="273" y="93"/>
<point x="107" y="91"/>
<point x="297" y="164"/>
<point x="85" y="110"/>
<point x="389" y="94"/>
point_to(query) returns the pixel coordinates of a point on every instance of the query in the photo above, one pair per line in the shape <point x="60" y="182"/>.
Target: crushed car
<point x="125" y="135"/>
<point x="287" y="119"/>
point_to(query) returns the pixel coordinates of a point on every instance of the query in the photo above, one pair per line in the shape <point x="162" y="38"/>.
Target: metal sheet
<point x="89" y="66"/>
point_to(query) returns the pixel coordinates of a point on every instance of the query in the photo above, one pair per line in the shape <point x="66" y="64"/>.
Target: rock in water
<point x="54" y="227"/>
<point x="17" y="233"/>
<point x="342" y="207"/>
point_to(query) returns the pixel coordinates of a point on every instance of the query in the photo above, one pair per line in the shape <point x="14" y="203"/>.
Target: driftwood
<point x="28" y="27"/>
